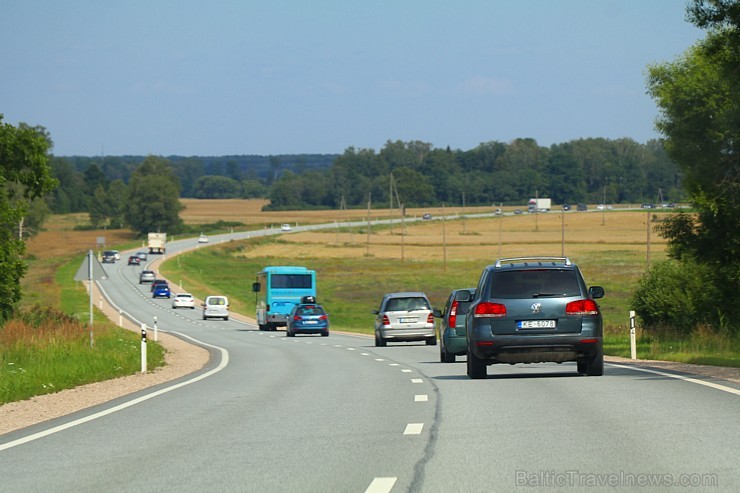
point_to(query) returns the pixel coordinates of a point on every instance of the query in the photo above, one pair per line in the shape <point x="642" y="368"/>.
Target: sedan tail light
<point x="582" y="307"/>
<point x="430" y="318"/>
<point x="489" y="310"/>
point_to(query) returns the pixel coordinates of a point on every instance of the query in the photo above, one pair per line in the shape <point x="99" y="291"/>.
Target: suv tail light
<point x="453" y="314"/>
<point x="489" y="310"/>
<point x="430" y="318"/>
<point x="582" y="307"/>
<point x="296" y="318"/>
<point x="323" y="317"/>
<point x="386" y="320"/>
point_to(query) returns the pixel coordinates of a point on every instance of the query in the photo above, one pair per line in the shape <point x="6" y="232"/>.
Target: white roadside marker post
<point x="143" y="348"/>
<point x="156" y="337"/>
<point x="633" y="337"/>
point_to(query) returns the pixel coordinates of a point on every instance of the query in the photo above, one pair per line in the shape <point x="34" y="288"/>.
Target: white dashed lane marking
<point x="413" y="429"/>
<point x="421" y="398"/>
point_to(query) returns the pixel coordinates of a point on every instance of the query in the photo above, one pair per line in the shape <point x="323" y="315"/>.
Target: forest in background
<point x="593" y="170"/>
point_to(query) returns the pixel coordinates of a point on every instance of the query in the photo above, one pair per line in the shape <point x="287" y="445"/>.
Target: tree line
<point x="585" y="170"/>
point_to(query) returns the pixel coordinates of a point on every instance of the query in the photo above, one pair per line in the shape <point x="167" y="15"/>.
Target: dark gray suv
<point x="534" y="310"/>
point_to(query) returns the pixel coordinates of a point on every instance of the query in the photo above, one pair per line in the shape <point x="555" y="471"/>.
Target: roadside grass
<point x="47" y="347"/>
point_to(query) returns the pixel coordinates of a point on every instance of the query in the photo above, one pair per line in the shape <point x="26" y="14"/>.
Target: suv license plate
<point x="536" y="324"/>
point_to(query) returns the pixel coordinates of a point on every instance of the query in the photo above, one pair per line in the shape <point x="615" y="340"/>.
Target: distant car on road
<point x="183" y="300"/>
<point x="202" y="239"/>
<point x="581" y="207"/>
<point x="285" y="227"/>
<point x="161" y="291"/>
<point x="452" y="340"/>
<point x="158" y="282"/>
<point x="109" y="257"/>
<point x="134" y="260"/>
<point x="216" y="307"/>
<point x="426" y="217"/>
<point x="147" y="276"/>
<point x="142" y="256"/>
<point x="307" y="318"/>
<point x="648" y="206"/>
<point x="405" y="316"/>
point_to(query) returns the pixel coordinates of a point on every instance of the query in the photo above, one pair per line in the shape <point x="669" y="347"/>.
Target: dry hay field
<point x="465" y="238"/>
<point x="249" y="212"/>
<point x="459" y="237"/>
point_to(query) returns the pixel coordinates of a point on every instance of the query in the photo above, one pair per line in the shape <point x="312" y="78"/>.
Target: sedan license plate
<point x="536" y="324"/>
<point x="408" y="320"/>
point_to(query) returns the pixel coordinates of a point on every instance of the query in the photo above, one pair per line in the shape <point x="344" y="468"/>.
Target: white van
<point x="216" y="307"/>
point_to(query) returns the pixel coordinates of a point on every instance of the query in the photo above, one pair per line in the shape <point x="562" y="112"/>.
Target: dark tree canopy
<point x="24" y="176"/>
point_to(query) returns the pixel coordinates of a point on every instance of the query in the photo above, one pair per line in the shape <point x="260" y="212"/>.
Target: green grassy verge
<point x="351" y="288"/>
<point x="53" y="352"/>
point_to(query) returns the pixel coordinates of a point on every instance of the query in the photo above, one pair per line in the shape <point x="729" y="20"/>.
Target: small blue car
<point x="308" y="318"/>
<point x="161" y="291"/>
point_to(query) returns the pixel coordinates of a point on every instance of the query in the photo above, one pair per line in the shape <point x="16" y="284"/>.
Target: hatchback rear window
<point x="406" y="304"/>
<point x="534" y="283"/>
<point x="310" y="310"/>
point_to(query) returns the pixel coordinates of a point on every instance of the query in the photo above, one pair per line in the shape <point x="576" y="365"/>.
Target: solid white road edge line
<point x="71" y="424"/>
<point x="680" y="377"/>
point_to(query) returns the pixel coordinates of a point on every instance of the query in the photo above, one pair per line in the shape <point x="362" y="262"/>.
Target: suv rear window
<point x="534" y="283"/>
<point x="406" y="304"/>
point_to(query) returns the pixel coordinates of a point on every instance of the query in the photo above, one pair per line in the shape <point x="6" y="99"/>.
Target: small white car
<point x="285" y="227"/>
<point x="183" y="300"/>
<point x="216" y="307"/>
<point x="116" y="254"/>
<point x="202" y="239"/>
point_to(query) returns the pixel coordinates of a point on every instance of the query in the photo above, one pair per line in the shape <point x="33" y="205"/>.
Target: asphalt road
<point x="271" y="413"/>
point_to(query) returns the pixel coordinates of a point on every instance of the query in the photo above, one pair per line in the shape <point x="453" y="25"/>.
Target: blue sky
<point x="266" y="77"/>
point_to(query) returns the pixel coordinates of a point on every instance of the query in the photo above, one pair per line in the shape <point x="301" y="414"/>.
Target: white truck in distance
<point x="539" y="205"/>
<point x="156" y="242"/>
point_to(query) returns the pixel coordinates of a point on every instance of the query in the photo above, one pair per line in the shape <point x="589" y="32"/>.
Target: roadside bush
<point x="677" y="295"/>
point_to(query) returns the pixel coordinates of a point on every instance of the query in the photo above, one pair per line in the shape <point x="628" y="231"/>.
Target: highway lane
<point x="320" y="414"/>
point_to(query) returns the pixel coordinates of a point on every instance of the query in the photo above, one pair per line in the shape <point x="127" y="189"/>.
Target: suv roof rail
<point x="564" y="260"/>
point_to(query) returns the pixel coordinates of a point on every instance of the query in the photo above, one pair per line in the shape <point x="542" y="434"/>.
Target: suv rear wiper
<point x="545" y="295"/>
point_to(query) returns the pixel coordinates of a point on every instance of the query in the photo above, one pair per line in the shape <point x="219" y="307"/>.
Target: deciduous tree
<point x="24" y="176"/>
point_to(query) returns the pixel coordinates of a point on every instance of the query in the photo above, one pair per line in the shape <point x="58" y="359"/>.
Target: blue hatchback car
<point x="308" y="318"/>
<point x="161" y="291"/>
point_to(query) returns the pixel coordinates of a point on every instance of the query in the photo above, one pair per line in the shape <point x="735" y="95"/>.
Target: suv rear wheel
<point x="594" y="366"/>
<point x="476" y="367"/>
